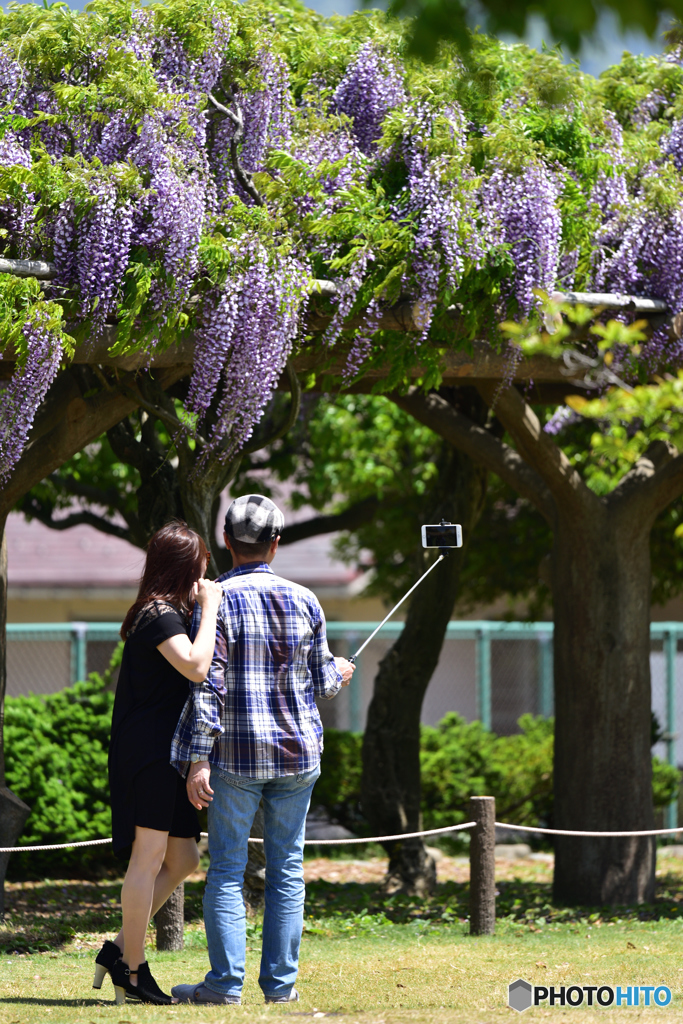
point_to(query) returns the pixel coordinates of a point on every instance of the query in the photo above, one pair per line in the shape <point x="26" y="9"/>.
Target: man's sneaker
<point x="293" y="997"/>
<point x="202" y="996"/>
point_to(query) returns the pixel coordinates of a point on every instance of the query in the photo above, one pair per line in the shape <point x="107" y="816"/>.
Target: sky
<point x="598" y="53"/>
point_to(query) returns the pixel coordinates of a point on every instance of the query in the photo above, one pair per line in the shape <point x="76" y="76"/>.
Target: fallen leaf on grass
<point x="630" y="945"/>
<point x="399" y="985"/>
<point x="539" y="963"/>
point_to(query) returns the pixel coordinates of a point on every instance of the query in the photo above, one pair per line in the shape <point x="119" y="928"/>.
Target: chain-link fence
<point x="494" y="671"/>
<point x="46" y="657"/>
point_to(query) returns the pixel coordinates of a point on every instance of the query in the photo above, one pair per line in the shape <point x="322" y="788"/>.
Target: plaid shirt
<point x="255" y="713"/>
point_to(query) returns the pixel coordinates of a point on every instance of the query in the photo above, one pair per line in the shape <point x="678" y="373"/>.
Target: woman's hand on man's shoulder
<point x="207" y="594"/>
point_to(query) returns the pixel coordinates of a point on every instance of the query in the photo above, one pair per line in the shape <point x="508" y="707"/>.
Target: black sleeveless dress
<point x="145" y="788"/>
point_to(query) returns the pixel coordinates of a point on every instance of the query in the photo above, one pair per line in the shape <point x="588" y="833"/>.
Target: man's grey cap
<point x="254" y="519"/>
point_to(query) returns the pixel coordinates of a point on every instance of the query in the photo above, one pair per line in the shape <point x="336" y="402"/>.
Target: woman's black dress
<point x="145" y="788"/>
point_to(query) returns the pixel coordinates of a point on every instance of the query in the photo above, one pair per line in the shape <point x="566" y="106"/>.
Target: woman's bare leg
<point x="180" y="860"/>
<point x="137" y="894"/>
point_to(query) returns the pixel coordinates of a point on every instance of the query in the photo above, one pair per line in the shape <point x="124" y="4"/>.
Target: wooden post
<point x="170" y="921"/>
<point x="482" y="866"/>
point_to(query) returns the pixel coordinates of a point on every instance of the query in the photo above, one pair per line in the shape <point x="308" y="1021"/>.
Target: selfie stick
<point x="397" y="606"/>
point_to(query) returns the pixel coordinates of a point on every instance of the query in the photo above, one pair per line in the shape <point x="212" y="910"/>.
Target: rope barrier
<point x="595" y="835"/>
<point x="53" y="846"/>
<point x="307" y="842"/>
<point x="386" y="839"/>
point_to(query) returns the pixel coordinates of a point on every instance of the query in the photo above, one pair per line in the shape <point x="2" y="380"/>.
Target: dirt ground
<point x="537" y="868"/>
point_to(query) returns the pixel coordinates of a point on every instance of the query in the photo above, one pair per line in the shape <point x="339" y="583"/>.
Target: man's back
<point x="270" y="663"/>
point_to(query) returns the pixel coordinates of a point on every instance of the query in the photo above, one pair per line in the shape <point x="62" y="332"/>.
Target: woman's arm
<point x="193" y="660"/>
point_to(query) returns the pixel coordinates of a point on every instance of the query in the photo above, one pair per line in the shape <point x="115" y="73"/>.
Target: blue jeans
<point x="285" y="804"/>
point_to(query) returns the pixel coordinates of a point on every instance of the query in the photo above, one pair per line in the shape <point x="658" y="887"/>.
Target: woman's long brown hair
<point x="176" y="558"/>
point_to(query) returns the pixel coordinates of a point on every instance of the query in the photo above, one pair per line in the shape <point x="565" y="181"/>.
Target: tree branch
<point x="350" y="519"/>
<point x="36" y="510"/>
<point x="537" y="448"/>
<point x="76" y="487"/>
<point x="169" y="419"/>
<point x="75" y="421"/>
<point x="293" y="415"/>
<point x="243" y="177"/>
<point x="436" y="413"/>
<point x="654" y="482"/>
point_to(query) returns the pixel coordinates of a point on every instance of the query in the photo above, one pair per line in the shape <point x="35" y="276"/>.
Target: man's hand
<point x="345" y="669"/>
<point x="199" y="791"/>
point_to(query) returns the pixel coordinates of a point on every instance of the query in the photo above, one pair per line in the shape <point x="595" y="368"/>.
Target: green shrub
<point x="666" y="781"/>
<point x="338" y="788"/>
<point x="460" y="759"/>
<point x="56" y="756"/>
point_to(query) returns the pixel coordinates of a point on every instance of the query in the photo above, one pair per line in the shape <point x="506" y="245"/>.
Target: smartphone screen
<point x="442" y="536"/>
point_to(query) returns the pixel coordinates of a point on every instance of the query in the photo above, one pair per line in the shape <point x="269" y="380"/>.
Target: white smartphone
<point x="447" y="535"/>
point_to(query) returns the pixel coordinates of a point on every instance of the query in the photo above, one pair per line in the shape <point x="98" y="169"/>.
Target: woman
<point x="153" y="821"/>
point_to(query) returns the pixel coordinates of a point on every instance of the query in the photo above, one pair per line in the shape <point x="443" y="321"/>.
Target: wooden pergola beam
<point x="460" y="367"/>
<point x="481" y="363"/>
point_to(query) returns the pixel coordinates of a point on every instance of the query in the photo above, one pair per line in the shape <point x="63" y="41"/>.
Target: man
<point x="252" y="731"/>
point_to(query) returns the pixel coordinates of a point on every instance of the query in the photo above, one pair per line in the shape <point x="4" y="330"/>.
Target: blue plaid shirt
<point x="255" y="713"/>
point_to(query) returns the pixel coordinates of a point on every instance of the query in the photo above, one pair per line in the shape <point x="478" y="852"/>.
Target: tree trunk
<point x="390" y="787"/>
<point x="170" y="921"/>
<point x="601" y="581"/>
<point x="13" y="811"/>
<point x="603" y="768"/>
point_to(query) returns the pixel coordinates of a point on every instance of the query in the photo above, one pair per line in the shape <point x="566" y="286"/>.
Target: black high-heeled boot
<point x="146" y="990"/>
<point x="104" y="961"/>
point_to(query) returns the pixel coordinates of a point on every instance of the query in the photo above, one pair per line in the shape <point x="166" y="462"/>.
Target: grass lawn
<point x="363" y="957"/>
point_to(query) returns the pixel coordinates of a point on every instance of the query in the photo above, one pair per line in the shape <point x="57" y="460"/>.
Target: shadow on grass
<point x="35" y="1001"/>
<point x="45" y="916"/>
<point x="525" y="902"/>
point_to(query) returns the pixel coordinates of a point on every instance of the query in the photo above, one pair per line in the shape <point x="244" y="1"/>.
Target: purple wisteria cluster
<point x="523" y="208"/>
<point x="266" y="114"/>
<point x="433" y="196"/>
<point x="610" y="192"/>
<point x="649" y="108"/>
<point x="561" y="419"/>
<point x="26" y="390"/>
<point x="171" y="214"/>
<point x="247" y="331"/>
<point x="672" y="144"/>
<point x="639" y="247"/>
<point x="371" y="87"/>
